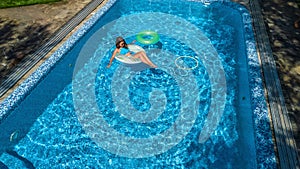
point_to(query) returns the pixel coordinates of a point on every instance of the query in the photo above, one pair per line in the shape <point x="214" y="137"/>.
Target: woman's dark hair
<point x="118" y="44"/>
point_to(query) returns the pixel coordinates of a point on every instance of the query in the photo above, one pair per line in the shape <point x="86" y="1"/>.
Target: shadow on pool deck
<point x="280" y="17"/>
<point x="23" y="30"/>
<point x="14" y="47"/>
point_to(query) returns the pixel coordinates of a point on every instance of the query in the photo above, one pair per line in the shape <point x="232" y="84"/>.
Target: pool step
<point x="3" y="166"/>
<point x="11" y="159"/>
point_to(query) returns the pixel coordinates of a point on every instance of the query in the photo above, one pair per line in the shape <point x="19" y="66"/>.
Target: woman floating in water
<point x="122" y="48"/>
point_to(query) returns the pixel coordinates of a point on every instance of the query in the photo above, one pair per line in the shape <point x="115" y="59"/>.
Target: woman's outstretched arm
<point x="112" y="58"/>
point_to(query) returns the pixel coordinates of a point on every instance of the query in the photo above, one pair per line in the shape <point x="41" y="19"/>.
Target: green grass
<point x="14" y="3"/>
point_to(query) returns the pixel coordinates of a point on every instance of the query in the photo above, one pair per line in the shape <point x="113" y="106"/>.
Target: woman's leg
<point x="144" y="58"/>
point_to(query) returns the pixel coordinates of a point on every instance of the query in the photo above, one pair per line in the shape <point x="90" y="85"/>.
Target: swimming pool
<point x="81" y="114"/>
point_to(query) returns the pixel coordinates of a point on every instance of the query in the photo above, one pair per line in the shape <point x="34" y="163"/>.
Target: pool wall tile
<point x="264" y="143"/>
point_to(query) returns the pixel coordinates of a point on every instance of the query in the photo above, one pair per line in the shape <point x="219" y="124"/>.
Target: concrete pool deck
<point x="278" y="15"/>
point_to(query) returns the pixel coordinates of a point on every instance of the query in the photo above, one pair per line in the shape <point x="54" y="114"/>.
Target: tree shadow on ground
<point x="18" y="42"/>
<point x="280" y="17"/>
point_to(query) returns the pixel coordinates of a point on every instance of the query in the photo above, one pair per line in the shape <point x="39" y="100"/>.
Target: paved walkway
<point x="24" y="29"/>
<point x="280" y="17"/>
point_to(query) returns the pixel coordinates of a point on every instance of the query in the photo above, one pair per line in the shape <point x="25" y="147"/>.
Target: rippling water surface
<point x="180" y="115"/>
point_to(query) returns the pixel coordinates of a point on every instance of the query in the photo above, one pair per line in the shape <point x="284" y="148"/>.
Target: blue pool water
<point x="82" y="114"/>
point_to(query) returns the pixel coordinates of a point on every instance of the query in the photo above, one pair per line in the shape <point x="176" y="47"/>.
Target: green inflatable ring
<point x="147" y="37"/>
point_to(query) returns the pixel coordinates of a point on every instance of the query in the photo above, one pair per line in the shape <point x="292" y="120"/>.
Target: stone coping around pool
<point x="285" y="144"/>
<point x="27" y="63"/>
<point x="264" y="143"/>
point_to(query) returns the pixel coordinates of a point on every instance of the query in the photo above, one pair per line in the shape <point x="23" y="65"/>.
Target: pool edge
<point x="56" y="56"/>
<point x="28" y="64"/>
<point x="19" y="92"/>
<point x="284" y="138"/>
